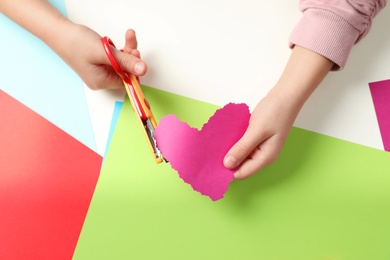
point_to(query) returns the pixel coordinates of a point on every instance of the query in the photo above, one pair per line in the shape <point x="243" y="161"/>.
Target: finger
<point x="252" y="165"/>
<point x="130" y="41"/>
<point x="135" y="53"/>
<point x="105" y="77"/>
<point x="263" y="155"/>
<point x="130" y="63"/>
<point x="242" y="149"/>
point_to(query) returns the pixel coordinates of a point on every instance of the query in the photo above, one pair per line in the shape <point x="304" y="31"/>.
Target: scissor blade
<point x="150" y="132"/>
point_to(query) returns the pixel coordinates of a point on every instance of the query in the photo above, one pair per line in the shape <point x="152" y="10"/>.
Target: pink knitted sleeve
<point x="332" y="27"/>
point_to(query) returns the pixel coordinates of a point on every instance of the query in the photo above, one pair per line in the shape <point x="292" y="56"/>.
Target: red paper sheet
<point x="380" y="92"/>
<point x="47" y="179"/>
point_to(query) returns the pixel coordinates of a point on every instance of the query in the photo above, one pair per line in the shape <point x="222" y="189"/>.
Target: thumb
<point x="240" y="151"/>
<point x="130" y="63"/>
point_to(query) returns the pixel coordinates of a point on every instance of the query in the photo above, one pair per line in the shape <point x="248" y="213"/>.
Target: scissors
<point x="138" y="101"/>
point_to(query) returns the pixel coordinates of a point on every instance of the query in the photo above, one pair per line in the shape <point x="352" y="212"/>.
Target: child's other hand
<point x="269" y="125"/>
<point x="84" y="52"/>
<point x="274" y="116"/>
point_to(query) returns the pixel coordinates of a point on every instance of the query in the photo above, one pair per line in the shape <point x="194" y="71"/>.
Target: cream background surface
<point x="234" y="51"/>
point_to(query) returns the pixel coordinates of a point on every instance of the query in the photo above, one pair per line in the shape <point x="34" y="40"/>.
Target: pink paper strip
<point x="380" y="92"/>
<point x="196" y="155"/>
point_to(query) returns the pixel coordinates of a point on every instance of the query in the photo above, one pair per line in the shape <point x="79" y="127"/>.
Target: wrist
<point x="69" y="40"/>
<point x="285" y="101"/>
<point x="59" y="34"/>
<point x="303" y="73"/>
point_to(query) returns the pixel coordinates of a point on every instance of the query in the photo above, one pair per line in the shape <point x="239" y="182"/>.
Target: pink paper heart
<point x="196" y="155"/>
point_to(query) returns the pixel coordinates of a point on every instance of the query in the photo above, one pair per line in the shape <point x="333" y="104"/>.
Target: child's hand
<point x="77" y="45"/>
<point x="84" y="52"/>
<point x="273" y="117"/>
<point x="262" y="142"/>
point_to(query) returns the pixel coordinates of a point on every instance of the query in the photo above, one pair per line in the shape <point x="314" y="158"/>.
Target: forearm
<point x="303" y="73"/>
<point x="44" y="21"/>
<point x="66" y="38"/>
<point x="38" y="17"/>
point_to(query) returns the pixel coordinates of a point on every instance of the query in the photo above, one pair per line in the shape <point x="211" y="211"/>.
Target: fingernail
<point x="139" y="67"/>
<point x="230" y="162"/>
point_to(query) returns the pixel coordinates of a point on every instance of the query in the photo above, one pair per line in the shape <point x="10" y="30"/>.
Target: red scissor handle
<point x="107" y="43"/>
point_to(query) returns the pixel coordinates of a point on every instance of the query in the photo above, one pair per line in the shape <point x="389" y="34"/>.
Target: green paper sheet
<point x="324" y="198"/>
